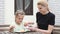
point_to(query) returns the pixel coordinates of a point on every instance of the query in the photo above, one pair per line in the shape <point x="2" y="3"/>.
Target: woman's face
<point x="42" y="8"/>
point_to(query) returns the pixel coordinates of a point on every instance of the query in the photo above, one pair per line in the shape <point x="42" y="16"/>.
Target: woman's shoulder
<point x="51" y="14"/>
<point x="37" y="13"/>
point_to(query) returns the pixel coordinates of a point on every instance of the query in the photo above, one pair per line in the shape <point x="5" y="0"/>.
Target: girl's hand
<point x="11" y="28"/>
<point x="28" y="23"/>
<point x="25" y="24"/>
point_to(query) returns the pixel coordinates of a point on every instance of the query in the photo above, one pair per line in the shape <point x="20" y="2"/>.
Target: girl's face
<point x="19" y="18"/>
<point x="42" y="8"/>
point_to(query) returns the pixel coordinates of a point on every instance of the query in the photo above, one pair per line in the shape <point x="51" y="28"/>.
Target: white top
<point x="19" y="28"/>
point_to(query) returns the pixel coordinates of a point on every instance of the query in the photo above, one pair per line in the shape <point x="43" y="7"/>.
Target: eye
<point x="40" y="8"/>
<point x="19" y="18"/>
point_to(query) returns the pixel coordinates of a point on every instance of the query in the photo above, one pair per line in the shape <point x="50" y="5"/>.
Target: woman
<point x="45" y="19"/>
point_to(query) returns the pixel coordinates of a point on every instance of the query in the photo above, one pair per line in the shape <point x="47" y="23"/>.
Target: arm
<point x="50" y="28"/>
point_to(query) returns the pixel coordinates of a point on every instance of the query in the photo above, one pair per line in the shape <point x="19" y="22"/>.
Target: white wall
<point x="54" y="6"/>
<point x="9" y="11"/>
<point x="2" y="12"/>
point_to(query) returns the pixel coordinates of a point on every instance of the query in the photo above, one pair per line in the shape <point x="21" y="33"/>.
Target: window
<point x="26" y="5"/>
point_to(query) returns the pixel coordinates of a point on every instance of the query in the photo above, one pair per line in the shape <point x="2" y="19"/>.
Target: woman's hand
<point x="33" y="28"/>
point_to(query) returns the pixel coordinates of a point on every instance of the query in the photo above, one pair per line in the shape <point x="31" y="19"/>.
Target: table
<point x="20" y="33"/>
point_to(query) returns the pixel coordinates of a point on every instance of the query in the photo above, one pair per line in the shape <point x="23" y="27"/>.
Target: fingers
<point x="28" y="23"/>
<point x="31" y="28"/>
<point x="11" y="29"/>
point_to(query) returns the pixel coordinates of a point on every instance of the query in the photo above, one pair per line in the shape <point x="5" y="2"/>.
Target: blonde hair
<point x="43" y="3"/>
<point x="20" y="12"/>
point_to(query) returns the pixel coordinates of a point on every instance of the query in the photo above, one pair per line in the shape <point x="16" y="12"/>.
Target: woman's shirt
<point x="44" y="20"/>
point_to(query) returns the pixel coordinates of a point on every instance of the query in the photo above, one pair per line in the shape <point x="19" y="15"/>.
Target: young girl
<point x="18" y="26"/>
<point x="45" y="19"/>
